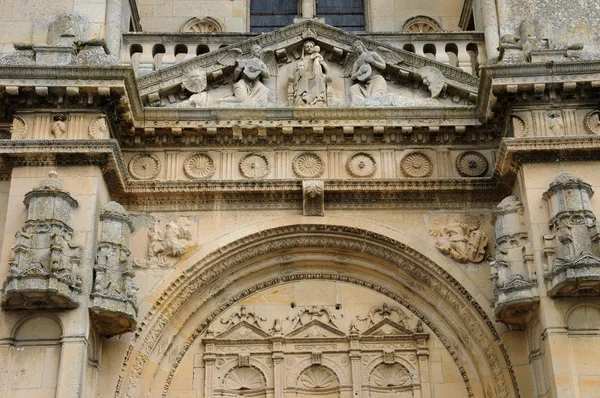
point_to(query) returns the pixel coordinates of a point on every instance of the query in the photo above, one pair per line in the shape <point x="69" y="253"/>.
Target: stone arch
<point x="37" y="327"/>
<point x="250" y="374"/>
<point x="583" y="317"/>
<point x="383" y="264"/>
<point x="327" y="362"/>
<point x="202" y="25"/>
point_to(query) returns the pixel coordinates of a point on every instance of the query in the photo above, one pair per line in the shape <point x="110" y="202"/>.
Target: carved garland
<point x="180" y="292"/>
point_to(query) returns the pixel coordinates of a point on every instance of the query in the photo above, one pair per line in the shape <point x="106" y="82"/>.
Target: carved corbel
<point x="313" y="198"/>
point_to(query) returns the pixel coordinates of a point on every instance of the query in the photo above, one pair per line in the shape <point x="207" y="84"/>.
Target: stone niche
<point x="113" y="306"/>
<point x="515" y="284"/>
<point x="572" y="247"/>
<point x="44" y="272"/>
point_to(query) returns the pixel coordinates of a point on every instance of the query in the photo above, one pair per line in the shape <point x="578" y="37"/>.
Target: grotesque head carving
<point x="67" y="29"/>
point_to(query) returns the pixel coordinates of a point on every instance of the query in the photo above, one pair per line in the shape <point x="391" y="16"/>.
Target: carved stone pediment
<point x="308" y="64"/>
<point x="243" y="331"/>
<point x="387" y="327"/>
<point x="316" y="329"/>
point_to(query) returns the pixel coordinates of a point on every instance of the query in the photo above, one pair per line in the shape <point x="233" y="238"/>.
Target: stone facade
<point x="193" y="209"/>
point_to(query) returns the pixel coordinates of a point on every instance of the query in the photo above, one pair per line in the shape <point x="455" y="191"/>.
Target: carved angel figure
<point x="310" y="78"/>
<point x="366" y="71"/>
<point x="248" y="88"/>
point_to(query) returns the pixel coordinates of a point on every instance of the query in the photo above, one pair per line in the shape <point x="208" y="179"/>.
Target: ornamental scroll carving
<point x="168" y="241"/>
<point x="243" y="356"/>
<point x="44" y="272"/>
<point x="459" y="237"/>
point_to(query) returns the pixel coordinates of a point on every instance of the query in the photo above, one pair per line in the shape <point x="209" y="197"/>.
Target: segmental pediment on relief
<point x="308" y="64"/>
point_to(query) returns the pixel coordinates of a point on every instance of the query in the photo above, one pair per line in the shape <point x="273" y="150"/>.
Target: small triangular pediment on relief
<point x="243" y="331"/>
<point x="316" y="329"/>
<point x="387" y="327"/>
<point x="205" y="74"/>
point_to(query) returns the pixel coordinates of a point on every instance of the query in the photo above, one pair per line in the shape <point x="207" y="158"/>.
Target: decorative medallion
<point x="392" y="375"/>
<point x="199" y="166"/>
<point x="254" y="166"/>
<point x="318" y="377"/>
<point x="194" y="80"/>
<point x="19" y="128"/>
<point x="421" y="24"/>
<point x="98" y="127"/>
<point x="361" y="165"/>
<point x="471" y="164"/>
<point x="591" y="122"/>
<point x="144" y="166"/>
<point x="416" y="164"/>
<point x="519" y="126"/>
<point x="308" y="165"/>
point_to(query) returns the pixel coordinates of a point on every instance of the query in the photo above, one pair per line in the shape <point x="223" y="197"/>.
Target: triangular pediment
<point x="387" y="327"/>
<point x="403" y="71"/>
<point x="316" y="329"/>
<point x="243" y="331"/>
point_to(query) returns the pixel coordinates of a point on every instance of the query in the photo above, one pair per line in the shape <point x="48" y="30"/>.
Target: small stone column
<point x="113" y="307"/>
<point x="576" y="269"/>
<point x="355" y="365"/>
<point x="45" y="270"/>
<point x="515" y="283"/>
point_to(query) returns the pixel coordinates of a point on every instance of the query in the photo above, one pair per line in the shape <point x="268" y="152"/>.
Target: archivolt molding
<point x="216" y="270"/>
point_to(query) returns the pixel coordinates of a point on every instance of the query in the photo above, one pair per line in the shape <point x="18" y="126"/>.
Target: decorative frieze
<point x="113" y="306"/>
<point x="44" y="272"/>
<point x="575" y="270"/>
<point x="515" y="283"/>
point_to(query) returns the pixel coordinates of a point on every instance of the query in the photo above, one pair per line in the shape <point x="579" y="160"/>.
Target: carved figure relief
<point x="556" y="123"/>
<point x="199" y="166"/>
<point x="366" y="71"/>
<point x="19" y="128"/>
<point x="44" y="272"/>
<point x="113" y="308"/>
<point x="98" y="128"/>
<point x="460" y="238"/>
<point x="144" y="166"/>
<point x="416" y="164"/>
<point x="591" y="122"/>
<point x="433" y="79"/>
<point x="308" y="165"/>
<point x="471" y="164"/>
<point x="168" y="241"/>
<point x="311" y="77"/>
<point x="361" y="165"/>
<point x="248" y="88"/>
<point x="59" y="126"/>
<point x="254" y="165"/>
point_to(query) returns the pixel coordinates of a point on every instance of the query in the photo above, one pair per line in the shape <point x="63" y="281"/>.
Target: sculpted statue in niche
<point x="311" y="77"/>
<point x="247" y="87"/>
<point x="168" y="241"/>
<point x="366" y="70"/>
<point x="460" y="238"/>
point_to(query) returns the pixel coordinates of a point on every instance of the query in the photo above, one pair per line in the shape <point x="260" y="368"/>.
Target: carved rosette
<point x="519" y="126"/>
<point x="254" y="165"/>
<point x="45" y="270"/>
<point x="361" y="165"/>
<point x="308" y="165"/>
<point x="591" y="122"/>
<point x="416" y="165"/>
<point x="98" y="128"/>
<point x="471" y="164"/>
<point x="144" y="166"/>
<point x="19" y="128"/>
<point x="113" y="306"/>
<point x="199" y="166"/>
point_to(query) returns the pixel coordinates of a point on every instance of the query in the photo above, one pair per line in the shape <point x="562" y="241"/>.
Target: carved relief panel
<point x="307" y="354"/>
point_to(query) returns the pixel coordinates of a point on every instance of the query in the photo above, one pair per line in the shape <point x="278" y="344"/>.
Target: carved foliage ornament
<point x="471" y="164"/>
<point x="591" y="122"/>
<point x="144" y="166"/>
<point x="98" y="127"/>
<point x="416" y="164"/>
<point x="361" y="165"/>
<point x="254" y="165"/>
<point x="308" y="165"/>
<point x="199" y="166"/>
